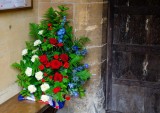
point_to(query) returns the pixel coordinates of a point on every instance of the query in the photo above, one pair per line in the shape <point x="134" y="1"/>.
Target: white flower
<point x="34" y="58"/>
<point x="28" y="71"/>
<point x="40" y="32"/>
<point x="24" y="52"/>
<point x="44" y="98"/>
<point x="32" y="88"/>
<point x="37" y="42"/>
<point x="44" y="87"/>
<point x="39" y="75"/>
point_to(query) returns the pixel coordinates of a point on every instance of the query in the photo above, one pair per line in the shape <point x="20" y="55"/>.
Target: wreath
<point x="51" y="68"/>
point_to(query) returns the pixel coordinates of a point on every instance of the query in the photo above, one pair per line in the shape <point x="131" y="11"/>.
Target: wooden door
<point x="133" y="57"/>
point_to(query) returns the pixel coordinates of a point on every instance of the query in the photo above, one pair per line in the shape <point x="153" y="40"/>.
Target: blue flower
<point x="86" y="66"/>
<point x="75" y="93"/>
<point x="78" y="53"/>
<point x="84" y="52"/>
<point x="75" y="78"/>
<point x="75" y="48"/>
<point x="79" y="68"/>
<point x="61" y="31"/>
<point x="71" y="85"/>
<point x="60" y="40"/>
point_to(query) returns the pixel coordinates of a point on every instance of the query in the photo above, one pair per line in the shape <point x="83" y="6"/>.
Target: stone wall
<point x="14" y="28"/>
<point x="87" y="19"/>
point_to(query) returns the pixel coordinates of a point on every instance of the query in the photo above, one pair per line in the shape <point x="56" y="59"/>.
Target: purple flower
<point x="86" y="66"/>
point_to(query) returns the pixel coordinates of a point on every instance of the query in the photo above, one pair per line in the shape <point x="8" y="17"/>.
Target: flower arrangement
<point x="51" y="70"/>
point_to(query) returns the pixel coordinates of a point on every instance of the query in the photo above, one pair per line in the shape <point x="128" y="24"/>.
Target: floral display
<point x="51" y="68"/>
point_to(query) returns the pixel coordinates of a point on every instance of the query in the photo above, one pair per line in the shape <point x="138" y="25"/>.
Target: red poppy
<point x="64" y="57"/>
<point x="56" y="90"/>
<point x="41" y="67"/>
<point x="43" y="59"/>
<point x="56" y="56"/>
<point x="58" y="77"/>
<point x="53" y="41"/>
<point x="60" y="44"/>
<point x="56" y="64"/>
<point x="66" y="65"/>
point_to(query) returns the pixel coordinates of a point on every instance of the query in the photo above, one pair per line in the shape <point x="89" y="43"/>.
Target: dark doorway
<point x="133" y="57"/>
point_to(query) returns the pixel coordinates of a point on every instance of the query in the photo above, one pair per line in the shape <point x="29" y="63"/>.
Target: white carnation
<point x="40" y="32"/>
<point x="28" y="71"/>
<point x="45" y="87"/>
<point x="39" y="75"/>
<point x="37" y="42"/>
<point x="44" y="98"/>
<point x="32" y="88"/>
<point x="34" y="58"/>
<point x="24" y="52"/>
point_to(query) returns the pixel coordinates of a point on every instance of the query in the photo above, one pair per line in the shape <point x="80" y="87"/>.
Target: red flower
<point x="41" y="67"/>
<point x="56" y="56"/>
<point x="66" y="65"/>
<point x="64" y="57"/>
<point x="45" y="74"/>
<point x="44" y="40"/>
<point x="65" y="76"/>
<point x="51" y="77"/>
<point x="50" y="28"/>
<point x="48" y="64"/>
<point x="43" y="59"/>
<point x="53" y="41"/>
<point x="68" y="98"/>
<point x="56" y="90"/>
<point x="56" y="64"/>
<point x="60" y="44"/>
<point x="58" y="77"/>
<point x="57" y="107"/>
<point x="49" y="24"/>
<point x="43" y="80"/>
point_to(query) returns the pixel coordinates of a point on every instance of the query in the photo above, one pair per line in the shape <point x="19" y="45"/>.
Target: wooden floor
<point x="15" y="106"/>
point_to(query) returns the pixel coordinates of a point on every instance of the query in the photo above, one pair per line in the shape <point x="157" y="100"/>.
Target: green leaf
<point x="16" y="65"/>
<point x="84" y="75"/>
<point x="34" y="30"/>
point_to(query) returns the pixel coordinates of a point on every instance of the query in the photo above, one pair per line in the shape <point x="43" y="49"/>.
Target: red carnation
<point x="41" y="67"/>
<point x="56" y="56"/>
<point x="56" y="90"/>
<point x="49" y="24"/>
<point x="56" y="64"/>
<point x="66" y="65"/>
<point x="43" y="59"/>
<point x="48" y="64"/>
<point x="45" y="74"/>
<point x="43" y="80"/>
<point x="53" y="41"/>
<point x="60" y="44"/>
<point x="51" y="77"/>
<point x="68" y="98"/>
<point x="64" y="57"/>
<point x="58" y="77"/>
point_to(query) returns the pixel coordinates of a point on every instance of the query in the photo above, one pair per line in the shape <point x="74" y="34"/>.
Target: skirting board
<point x="9" y="92"/>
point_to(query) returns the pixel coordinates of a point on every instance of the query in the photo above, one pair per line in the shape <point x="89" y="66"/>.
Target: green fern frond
<point x="34" y="30"/>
